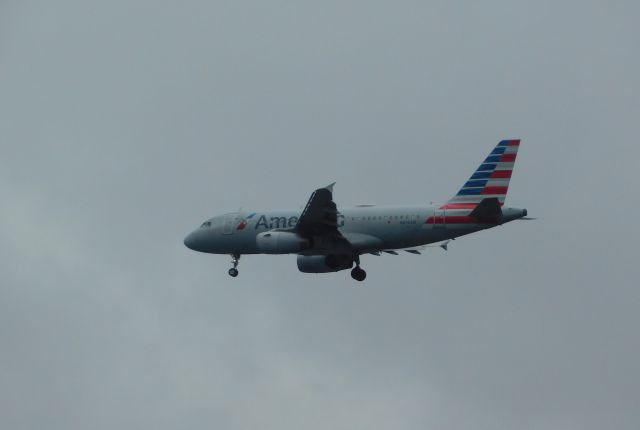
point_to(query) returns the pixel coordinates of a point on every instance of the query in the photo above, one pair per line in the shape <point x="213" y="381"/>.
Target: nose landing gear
<point x="357" y="272"/>
<point x="235" y="259"/>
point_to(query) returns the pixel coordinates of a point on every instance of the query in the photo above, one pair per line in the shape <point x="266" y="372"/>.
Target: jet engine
<point x="280" y="242"/>
<point x="324" y="263"/>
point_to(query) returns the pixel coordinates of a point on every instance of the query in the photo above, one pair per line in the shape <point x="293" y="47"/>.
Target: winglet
<point x="330" y="187"/>
<point x="445" y="245"/>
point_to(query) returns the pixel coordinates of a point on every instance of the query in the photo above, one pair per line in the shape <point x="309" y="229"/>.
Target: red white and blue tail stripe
<point x="491" y="179"/>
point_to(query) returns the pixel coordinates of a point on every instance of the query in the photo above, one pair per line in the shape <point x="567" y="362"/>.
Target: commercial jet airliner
<point x="326" y="239"/>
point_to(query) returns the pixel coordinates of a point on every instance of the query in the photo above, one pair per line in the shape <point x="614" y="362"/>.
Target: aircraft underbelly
<point x="363" y="242"/>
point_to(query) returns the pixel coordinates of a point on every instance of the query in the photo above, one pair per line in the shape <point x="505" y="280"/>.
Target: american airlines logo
<point x="277" y="222"/>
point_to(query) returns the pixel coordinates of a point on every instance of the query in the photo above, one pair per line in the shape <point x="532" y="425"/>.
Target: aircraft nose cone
<point x="191" y="241"/>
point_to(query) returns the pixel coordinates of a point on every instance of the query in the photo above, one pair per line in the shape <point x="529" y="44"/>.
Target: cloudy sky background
<point x="124" y="124"/>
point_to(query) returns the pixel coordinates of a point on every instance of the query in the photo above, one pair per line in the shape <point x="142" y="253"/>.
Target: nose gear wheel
<point x="235" y="259"/>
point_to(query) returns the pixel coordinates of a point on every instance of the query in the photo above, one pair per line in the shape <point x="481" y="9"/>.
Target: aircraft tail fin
<point x="491" y="179"/>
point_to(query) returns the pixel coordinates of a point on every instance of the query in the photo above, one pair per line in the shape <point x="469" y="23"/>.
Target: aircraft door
<point x="230" y="222"/>
<point x="439" y="218"/>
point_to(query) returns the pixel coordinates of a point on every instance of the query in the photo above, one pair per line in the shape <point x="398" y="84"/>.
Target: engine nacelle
<point x="324" y="263"/>
<point x="280" y="242"/>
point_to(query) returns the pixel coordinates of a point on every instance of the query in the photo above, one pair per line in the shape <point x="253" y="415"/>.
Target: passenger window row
<point x="385" y="217"/>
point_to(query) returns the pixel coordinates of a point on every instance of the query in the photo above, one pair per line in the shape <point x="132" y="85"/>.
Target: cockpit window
<point x="206" y="224"/>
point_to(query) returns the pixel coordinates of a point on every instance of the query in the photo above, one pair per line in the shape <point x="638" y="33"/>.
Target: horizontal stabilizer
<point x="417" y="250"/>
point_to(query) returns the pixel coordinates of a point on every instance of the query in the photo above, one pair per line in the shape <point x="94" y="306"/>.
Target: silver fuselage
<point x="367" y="228"/>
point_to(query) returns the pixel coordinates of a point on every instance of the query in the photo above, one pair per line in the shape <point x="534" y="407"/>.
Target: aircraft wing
<point x="319" y="220"/>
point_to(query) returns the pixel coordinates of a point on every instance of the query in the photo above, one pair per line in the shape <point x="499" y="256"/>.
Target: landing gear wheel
<point x="358" y="274"/>
<point x="233" y="272"/>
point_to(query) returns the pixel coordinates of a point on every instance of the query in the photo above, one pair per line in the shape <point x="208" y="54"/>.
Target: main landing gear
<point x="235" y="259"/>
<point x="357" y="272"/>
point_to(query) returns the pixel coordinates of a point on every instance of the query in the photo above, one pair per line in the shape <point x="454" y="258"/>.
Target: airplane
<point x="326" y="239"/>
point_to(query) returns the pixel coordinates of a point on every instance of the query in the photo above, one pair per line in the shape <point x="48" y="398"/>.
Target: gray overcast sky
<point x="124" y="124"/>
